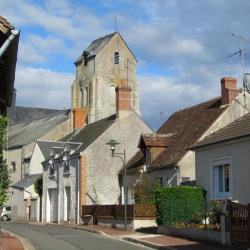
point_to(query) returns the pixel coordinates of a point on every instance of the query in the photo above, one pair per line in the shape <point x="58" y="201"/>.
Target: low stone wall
<point x="131" y="224"/>
<point x="196" y="234"/>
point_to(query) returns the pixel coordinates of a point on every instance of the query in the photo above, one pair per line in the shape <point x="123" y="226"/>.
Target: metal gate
<point x="239" y="216"/>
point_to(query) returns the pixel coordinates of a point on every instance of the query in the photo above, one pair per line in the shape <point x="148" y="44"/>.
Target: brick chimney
<point x="123" y="99"/>
<point x="80" y="116"/>
<point x="228" y="90"/>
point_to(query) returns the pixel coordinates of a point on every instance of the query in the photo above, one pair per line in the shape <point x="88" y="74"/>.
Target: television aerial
<point x="241" y="53"/>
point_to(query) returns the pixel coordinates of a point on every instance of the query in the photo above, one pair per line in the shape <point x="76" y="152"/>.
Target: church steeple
<point x="99" y="69"/>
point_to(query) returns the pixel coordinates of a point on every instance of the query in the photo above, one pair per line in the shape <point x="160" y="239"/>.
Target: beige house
<point x="166" y="154"/>
<point x="222" y="162"/>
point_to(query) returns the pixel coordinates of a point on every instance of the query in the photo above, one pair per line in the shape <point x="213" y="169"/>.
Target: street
<point x="49" y="237"/>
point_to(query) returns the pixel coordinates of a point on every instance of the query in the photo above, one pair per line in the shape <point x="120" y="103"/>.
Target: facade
<point x="25" y="202"/>
<point x="94" y="173"/>
<point x="9" y="38"/>
<point x="222" y="162"/>
<point x="170" y="159"/>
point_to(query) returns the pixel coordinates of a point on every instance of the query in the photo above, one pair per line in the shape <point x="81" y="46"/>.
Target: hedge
<point x="179" y="204"/>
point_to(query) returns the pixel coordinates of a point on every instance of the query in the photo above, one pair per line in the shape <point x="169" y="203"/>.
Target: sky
<point x="182" y="47"/>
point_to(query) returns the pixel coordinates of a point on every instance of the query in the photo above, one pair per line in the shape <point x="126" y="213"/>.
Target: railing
<point x="117" y="211"/>
<point x="239" y="216"/>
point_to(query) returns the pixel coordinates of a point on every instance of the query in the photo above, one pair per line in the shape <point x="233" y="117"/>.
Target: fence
<point x="239" y="216"/>
<point x="139" y="211"/>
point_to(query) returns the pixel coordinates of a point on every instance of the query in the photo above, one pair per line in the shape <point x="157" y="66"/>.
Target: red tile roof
<point x="186" y="127"/>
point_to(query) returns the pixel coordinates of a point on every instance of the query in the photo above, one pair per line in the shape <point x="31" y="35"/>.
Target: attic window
<point x="66" y="167"/>
<point x="52" y="170"/>
<point x="116" y="58"/>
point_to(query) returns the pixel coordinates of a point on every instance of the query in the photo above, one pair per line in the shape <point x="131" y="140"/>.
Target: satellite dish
<point x="246" y="82"/>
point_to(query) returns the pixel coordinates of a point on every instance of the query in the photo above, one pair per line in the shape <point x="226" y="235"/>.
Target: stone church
<point x="105" y="105"/>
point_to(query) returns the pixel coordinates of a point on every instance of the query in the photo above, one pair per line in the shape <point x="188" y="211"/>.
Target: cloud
<point x="40" y="87"/>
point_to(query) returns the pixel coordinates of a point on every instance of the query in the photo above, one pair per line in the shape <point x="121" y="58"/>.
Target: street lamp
<point x="112" y="143"/>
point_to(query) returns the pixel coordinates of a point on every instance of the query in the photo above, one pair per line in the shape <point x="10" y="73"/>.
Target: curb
<point x="26" y="244"/>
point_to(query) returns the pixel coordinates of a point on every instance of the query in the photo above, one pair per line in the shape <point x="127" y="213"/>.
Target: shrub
<point x="179" y="204"/>
<point x="216" y="210"/>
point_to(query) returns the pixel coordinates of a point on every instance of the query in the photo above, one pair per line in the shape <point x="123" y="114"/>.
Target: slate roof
<point x="34" y="126"/>
<point x="26" y="181"/>
<point x="185" y="127"/>
<point x="240" y="128"/>
<point x="45" y="147"/>
<point x="96" y="46"/>
<point x="91" y="132"/>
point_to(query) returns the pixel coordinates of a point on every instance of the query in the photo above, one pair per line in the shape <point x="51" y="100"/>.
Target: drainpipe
<point x="6" y="44"/>
<point x="78" y="192"/>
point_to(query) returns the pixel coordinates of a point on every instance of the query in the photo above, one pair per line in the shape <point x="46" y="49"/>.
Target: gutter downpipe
<point x="78" y="190"/>
<point x="8" y="41"/>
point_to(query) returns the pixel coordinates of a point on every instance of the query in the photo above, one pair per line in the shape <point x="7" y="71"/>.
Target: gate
<point x="91" y="210"/>
<point x="239" y="216"/>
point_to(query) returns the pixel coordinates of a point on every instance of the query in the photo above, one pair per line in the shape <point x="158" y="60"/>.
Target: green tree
<point x="144" y="190"/>
<point x="4" y="174"/>
<point x="38" y="186"/>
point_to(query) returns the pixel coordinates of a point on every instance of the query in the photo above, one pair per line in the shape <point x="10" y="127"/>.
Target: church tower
<point x="103" y="65"/>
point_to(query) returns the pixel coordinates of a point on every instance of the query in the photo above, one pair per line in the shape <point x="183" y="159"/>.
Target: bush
<point x="179" y="204"/>
<point x="216" y="210"/>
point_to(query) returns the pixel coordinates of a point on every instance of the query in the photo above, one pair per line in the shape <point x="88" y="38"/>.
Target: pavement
<point x="150" y="240"/>
<point x="8" y="241"/>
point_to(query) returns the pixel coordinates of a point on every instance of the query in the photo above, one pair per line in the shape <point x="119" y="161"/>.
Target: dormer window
<point x="116" y="58"/>
<point x="66" y="167"/>
<point x="52" y="170"/>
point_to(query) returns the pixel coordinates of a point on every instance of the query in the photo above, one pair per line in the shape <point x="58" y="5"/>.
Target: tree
<point x="144" y="190"/>
<point x="38" y="186"/>
<point x="4" y="174"/>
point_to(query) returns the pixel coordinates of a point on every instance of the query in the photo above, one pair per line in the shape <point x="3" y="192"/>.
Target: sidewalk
<point x="10" y="242"/>
<point x="154" y="241"/>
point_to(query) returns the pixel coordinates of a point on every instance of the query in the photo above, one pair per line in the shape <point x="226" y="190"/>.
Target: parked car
<point x="6" y="213"/>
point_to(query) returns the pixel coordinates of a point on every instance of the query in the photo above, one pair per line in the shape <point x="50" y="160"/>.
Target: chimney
<point x="80" y="116"/>
<point x="123" y="99"/>
<point x="228" y="90"/>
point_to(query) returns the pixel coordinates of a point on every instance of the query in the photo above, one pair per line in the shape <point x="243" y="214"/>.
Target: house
<point x="88" y="174"/>
<point x="9" y="38"/>
<point x="26" y="126"/>
<point x="25" y="201"/>
<point x="222" y="162"/>
<point x="166" y="154"/>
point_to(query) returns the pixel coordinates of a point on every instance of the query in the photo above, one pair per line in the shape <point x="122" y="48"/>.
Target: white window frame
<point x="215" y="194"/>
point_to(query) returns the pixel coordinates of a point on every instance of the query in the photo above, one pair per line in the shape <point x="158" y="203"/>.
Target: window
<point x="222" y="180"/>
<point x="8" y="208"/>
<point x="86" y="97"/>
<point x="159" y="180"/>
<point x="81" y="97"/>
<point x="52" y="170"/>
<point x="66" y="167"/>
<point x="116" y="58"/>
<point x="148" y="157"/>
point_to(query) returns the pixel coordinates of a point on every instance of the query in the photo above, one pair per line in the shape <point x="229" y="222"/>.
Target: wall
<point x="60" y="181"/>
<point x="233" y="112"/>
<point x="239" y="152"/>
<point x="36" y="161"/>
<point x="18" y="205"/>
<point x="103" y="183"/>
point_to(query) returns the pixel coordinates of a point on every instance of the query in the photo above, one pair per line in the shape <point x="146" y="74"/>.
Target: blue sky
<point x="182" y="47"/>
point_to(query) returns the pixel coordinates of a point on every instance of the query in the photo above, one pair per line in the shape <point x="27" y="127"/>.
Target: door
<point x="67" y="204"/>
<point x="53" y="205"/>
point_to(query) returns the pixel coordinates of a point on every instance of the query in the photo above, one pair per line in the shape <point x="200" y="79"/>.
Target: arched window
<point x="81" y="97"/>
<point x="116" y="58"/>
<point x="86" y="97"/>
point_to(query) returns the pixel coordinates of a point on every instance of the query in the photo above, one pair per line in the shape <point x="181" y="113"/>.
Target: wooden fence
<point x="135" y="211"/>
<point x="239" y="216"/>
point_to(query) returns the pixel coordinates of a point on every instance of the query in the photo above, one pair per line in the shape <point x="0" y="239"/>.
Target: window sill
<point x="66" y="173"/>
<point x="52" y="176"/>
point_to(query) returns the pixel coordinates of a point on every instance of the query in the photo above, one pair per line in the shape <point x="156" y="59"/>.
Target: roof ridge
<point x="105" y="36"/>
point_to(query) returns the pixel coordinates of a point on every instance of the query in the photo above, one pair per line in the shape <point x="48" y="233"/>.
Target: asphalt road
<point x="49" y="237"/>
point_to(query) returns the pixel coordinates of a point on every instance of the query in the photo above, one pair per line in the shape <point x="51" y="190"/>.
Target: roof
<point x="240" y="128"/>
<point x="154" y="140"/>
<point x="34" y="126"/>
<point x="26" y="181"/>
<point x="7" y="64"/>
<point x="91" y="132"/>
<point x="185" y="127"/>
<point x="96" y="46"/>
<point x="5" y="26"/>
<point x="46" y="146"/>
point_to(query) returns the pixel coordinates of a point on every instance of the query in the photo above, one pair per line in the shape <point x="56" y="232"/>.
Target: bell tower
<point x="99" y="70"/>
